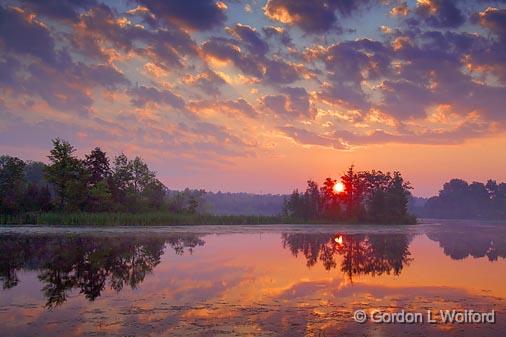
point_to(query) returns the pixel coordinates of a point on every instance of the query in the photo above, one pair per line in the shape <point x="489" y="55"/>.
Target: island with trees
<point x="360" y="197"/>
<point x="96" y="190"/>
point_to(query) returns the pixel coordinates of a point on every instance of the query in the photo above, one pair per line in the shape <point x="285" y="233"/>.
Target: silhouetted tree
<point x="458" y="199"/>
<point x="66" y="173"/>
<point x="370" y="196"/>
<point x="331" y="207"/>
<point x="11" y="184"/>
<point x="97" y="165"/>
<point x="86" y="185"/>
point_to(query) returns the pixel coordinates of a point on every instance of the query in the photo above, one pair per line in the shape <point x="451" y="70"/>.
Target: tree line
<point x="92" y="184"/>
<point x="368" y="196"/>
<point x="459" y="199"/>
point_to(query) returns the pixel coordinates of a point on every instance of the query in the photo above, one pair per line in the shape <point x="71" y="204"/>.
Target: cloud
<point x="238" y="106"/>
<point x="101" y="34"/>
<point x="81" y="57"/>
<point x="494" y="19"/>
<point x="195" y="14"/>
<point x="404" y="99"/>
<point x="440" y="13"/>
<point x="311" y="16"/>
<point x="347" y="95"/>
<point x="252" y="62"/>
<point x="250" y="37"/>
<point x="435" y="137"/>
<point x="278" y="71"/>
<point x="290" y="102"/>
<point x="355" y="61"/>
<point x="401" y="10"/>
<point x="207" y="81"/>
<point x="141" y="95"/>
<point x="60" y="9"/>
<point x="232" y="107"/>
<point x="46" y="72"/>
<point x="278" y="33"/>
<point x="23" y="35"/>
<point x="8" y="67"/>
<point x="344" y="139"/>
<point x="70" y="82"/>
<point x="228" y="50"/>
<point x="306" y="137"/>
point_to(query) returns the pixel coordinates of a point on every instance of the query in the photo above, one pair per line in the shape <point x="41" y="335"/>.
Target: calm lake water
<point x="249" y="281"/>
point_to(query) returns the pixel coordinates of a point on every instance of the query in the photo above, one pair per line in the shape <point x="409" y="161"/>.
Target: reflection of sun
<point x="339" y="187"/>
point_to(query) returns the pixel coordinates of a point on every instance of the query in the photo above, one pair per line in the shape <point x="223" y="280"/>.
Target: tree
<point x="11" y="184"/>
<point x="330" y="199"/>
<point x="458" y="199"/>
<point x="98" y="173"/>
<point x="66" y="172"/>
<point x="312" y="200"/>
<point x="397" y="197"/>
<point x="153" y="194"/>
<point x="35" y="173"/>
<point x="36" y="198"/>
<point x="142" y="176"/>
<point x="368" y="196"/>
<point x="187" y="201"/>
<point x="100" y="197"/>
<point x="122" y="178"/>
<point x="97" y="165"/>
<point x="84" y="185"/>
<point x="134" y="185"/>
<point x="294" y="206"/>
<point x="353" y="196"/>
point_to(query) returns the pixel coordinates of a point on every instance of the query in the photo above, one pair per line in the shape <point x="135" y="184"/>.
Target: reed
<point x="134" y="219"/>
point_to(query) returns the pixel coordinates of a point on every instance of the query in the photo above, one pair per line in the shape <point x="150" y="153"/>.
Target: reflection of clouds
<point x="248" y="284"/>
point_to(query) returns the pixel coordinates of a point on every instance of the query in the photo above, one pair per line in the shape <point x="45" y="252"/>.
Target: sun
<point x="339" y="187"/>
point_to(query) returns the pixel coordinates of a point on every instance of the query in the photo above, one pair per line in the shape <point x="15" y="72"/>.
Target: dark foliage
<point x="92" y="184"/>
<point x="460" y="200"/>
<point x="367" y="197"/>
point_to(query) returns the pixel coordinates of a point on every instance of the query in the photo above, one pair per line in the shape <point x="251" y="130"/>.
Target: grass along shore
<point x="158" y="219"/>
<point x="133" y="219"/>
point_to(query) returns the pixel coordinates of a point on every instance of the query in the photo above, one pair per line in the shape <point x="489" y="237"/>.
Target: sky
<point x="259" y="96"/>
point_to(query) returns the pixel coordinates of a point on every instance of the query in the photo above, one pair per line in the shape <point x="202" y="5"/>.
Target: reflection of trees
<point x="87" y="263"/>
<point x="374" y="254"/>
<point x="459" y="243"/>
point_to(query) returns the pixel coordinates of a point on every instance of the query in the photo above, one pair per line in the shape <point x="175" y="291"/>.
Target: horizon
<point x="260" y="97"/>
<point x="300" y="185"/>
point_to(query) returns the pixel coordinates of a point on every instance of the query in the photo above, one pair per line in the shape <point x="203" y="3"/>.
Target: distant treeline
<point x="460" y="200"/>
<point x="242" y="203"/>
<point x="90" y="184"/>
<point x="366" y="196"/>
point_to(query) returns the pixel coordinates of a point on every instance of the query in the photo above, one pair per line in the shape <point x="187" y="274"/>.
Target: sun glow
<point x="339" y="187"/>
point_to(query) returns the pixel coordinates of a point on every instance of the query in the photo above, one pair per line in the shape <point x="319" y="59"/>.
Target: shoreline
<point x="169" y="219"/>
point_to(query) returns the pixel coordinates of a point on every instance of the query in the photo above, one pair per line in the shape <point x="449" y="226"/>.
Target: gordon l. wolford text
<point x="430" y="316"/>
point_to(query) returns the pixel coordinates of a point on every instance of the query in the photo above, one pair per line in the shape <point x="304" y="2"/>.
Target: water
<point x="252" y="281"/>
